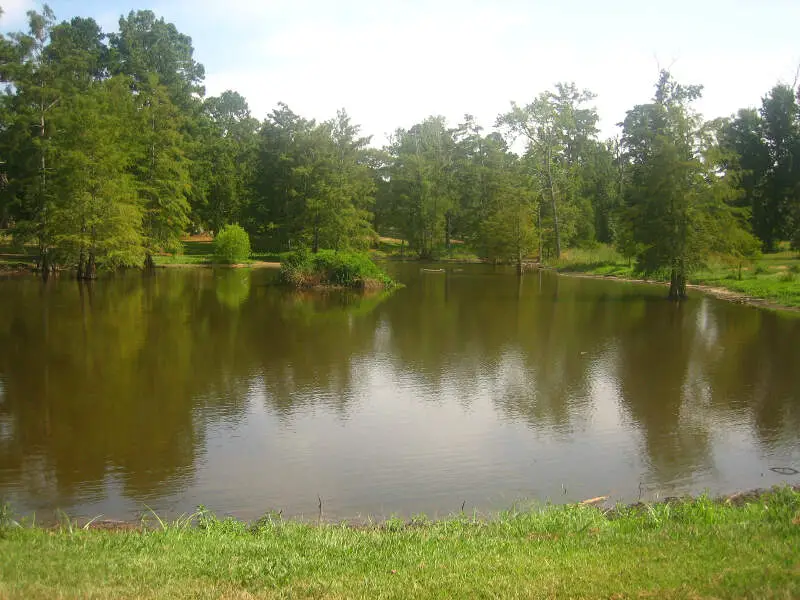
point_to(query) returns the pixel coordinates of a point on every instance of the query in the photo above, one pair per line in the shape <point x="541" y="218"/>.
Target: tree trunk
<point x="45" y="263"/>
<point x="447" y="231"/>
<point x="81" y="265"/>
<point x="539" y="228"/>
<point x="553" y="202"/>
<point x="677" y="283"/>
<point x="149" y="263"/>
<point x="90" y="269"/>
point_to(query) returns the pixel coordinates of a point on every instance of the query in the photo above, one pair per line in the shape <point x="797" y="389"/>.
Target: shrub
<point x="231" y="244"/>
<point x="346" y="269"/>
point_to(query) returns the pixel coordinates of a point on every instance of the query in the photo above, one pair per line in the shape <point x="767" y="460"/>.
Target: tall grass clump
<point x="231" y="245"/>
<point x="330" y="268"/>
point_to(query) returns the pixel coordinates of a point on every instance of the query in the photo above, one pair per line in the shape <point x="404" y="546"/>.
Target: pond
<point x="469" y="386"/>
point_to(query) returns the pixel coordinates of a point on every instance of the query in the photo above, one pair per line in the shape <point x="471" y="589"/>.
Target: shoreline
<point x="150" y="520"/>
<point x="721" y="293"/>
<point x="742" y="546"/>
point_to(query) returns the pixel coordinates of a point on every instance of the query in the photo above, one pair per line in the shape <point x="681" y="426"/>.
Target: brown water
<point x="470" y="386"/>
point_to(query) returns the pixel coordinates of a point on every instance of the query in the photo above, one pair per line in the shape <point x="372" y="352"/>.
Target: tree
<point x="97" y="215"/>
<point x="508" y="230"/>
<point x="28" y="135"/>
<point x="422" y="184"/>
<point x="314" y="185"/>
<point x="559" y="131"/>
<point x="162" y="171"/>
<point x="147" y="46"/>
<point x="779" y="206"/>
<point x="675" y="198"/>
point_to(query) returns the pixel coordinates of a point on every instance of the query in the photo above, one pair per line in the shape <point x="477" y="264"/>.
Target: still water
<point x="216" y="387"/>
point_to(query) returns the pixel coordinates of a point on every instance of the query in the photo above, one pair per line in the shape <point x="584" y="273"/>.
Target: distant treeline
<point x="110" y="152"/>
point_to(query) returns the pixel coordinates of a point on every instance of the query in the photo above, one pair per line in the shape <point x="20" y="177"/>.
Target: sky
<point x="391" y="63"/>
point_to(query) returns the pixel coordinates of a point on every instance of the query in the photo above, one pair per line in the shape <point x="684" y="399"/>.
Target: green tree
<point x="97" y="214"/>
<point x="559" y="130"/>
<point x="421" y="180"/>
<point x="147" y="46"/>
<point x="778" y="211"/>
<point x="508" y="229"/>
<point x="28" y="135"/>
<point x="675" y="199"/>
<point x="161" y="168"/>
<point x="314" y="184"/>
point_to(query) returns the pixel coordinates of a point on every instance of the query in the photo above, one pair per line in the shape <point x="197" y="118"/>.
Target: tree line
<point x="110" y="152"/>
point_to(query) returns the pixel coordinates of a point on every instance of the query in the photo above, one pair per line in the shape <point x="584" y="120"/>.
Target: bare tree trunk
<point x="553" y="202"/>
<point x="539" y="228"/>
<point x="447" y="218"/>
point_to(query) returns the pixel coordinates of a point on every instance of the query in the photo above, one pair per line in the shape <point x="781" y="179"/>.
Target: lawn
<point x="748" y="548"/>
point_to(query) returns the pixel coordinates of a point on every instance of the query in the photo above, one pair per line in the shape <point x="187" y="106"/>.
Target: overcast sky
<point x="391" y="63"/>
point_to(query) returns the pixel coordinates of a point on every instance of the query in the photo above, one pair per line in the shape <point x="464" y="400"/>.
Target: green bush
<point x="231" y="245"/>
<point x="326" y="267"/>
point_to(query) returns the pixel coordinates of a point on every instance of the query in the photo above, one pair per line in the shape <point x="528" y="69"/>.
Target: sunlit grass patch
<point x="700" y="548"/>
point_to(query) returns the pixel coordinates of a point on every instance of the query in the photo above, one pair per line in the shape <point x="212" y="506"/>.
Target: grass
<point x="773" y="277"/>
<point x="201" y="252"/>
<point x="395" y="249"/>
<point x="697" y="549"/>
<point x="13" y="258"/>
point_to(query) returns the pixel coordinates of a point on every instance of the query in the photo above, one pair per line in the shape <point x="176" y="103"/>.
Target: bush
<point x="231" y="245"/>
<point x="345" y="269"/>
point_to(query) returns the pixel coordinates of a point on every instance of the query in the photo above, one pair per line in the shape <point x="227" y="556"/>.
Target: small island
<point x="333" y="269"/>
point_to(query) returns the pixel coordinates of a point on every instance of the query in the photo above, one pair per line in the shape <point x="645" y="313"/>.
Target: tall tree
<point x="146" y="46"/>
<point x="422" y="185"/>
<point x="97" y="213"/>
<point x="558" y="128"/>
<point x="162" y="171"/>
<point x="780" y="200"/>
<point x="314" y="184"/>
<point x="675" y="200"/>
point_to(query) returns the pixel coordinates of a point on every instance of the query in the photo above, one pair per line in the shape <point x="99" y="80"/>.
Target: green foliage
<point x="346" y="269"/>
<point x="313" y="186"/>
<point x="676" y="210"/>
<point x="110" y="154"/>
<point x="232" y="244"/>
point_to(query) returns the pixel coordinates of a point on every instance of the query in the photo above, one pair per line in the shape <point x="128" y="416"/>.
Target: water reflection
<point x="219" y="387"/>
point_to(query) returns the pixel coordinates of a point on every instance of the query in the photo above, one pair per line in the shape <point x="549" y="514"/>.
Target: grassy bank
<point x="395" y="249"/>
<point x="194" y="253"/>
<point x="201" y="252"/>
<point x="772" y="277"/>
<point x="698" y="549"/>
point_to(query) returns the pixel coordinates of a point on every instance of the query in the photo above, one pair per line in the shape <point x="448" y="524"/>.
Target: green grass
<point x="395" y="249"/>
<point x="698" y="549"/>
<point x="773" y="277"/>
<point x="13" y="258"/>
<point x="202" y="253"/>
